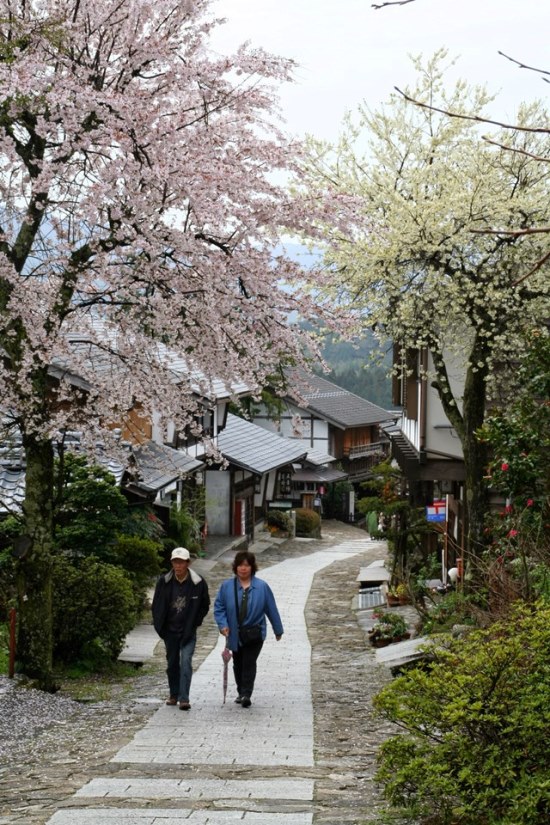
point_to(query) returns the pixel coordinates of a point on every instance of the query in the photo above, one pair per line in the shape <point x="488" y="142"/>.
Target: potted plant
<point x="402" y="593"/>
<point x="390" y="627"/>
<point x="392" y="597"/>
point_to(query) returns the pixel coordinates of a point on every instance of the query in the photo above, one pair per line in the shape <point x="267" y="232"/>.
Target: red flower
<point x="512" y="534"/>
<point x="504" y="466"/>
<point x="530" y="502"/>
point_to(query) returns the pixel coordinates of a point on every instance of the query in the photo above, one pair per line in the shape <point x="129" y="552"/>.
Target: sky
<point x="350" y="53"/>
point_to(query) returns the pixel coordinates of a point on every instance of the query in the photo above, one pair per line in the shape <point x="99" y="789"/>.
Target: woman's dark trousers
<point x="244" y="667"/>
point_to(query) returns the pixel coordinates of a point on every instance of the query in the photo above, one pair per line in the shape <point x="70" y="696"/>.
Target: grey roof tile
<point x="158" y="465"/>
<point x="255" y="449"/>
<point x="338" y="406"/>
<point x="12" y="489"/>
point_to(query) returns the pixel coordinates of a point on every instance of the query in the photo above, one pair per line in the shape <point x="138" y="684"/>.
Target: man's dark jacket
<point x="199" y="604"/>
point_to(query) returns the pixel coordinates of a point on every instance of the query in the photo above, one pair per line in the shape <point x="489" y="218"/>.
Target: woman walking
<point x="242" y="604"/>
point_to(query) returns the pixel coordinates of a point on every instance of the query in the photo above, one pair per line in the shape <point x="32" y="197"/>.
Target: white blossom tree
<point x="139" y="212"/>
<point x="438" y="237"/>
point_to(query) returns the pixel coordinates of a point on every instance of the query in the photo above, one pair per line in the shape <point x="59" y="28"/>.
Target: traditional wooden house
<point x="341" y="431"/>
<point x="429" y="451"/>
<point x="258" y="477"/>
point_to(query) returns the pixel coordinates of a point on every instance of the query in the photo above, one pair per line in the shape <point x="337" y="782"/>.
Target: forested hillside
<point x="352" y="368"/>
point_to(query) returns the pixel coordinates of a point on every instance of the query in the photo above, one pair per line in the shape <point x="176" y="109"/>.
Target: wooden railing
<point x="365" y="450"/>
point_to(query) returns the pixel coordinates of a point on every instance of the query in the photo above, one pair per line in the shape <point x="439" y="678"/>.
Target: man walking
<point x="180" y="603"/>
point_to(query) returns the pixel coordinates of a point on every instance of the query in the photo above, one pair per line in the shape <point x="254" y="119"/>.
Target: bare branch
<point x="516" y="150"/>
<point x="524" y="66"/>
<point x="473" y="118"/>
<point x="532" y="271"/>
<point x="392" y="3"/>
<point x="516" y="233"/>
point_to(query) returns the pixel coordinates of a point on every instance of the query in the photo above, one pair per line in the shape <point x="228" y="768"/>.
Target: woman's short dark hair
<point x="245" y="555"/>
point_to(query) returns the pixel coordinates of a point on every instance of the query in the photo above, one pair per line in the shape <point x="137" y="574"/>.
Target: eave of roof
<point x="252" y="448"/>
<point x="328" y="475"/>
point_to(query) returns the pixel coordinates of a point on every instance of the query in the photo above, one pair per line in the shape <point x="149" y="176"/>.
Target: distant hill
<point x="350" y="363"/>
<point x="352" y="369"/>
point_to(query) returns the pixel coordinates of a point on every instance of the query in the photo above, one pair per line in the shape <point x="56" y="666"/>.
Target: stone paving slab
<point x="160" y="816"/>
<point x="140" y="787"/>
<point x="140" y="644"/>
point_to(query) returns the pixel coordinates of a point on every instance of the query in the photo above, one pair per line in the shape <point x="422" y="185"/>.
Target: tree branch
<point x="392" y="3"/>
<point x="524" y="66"/>
<point x="473" y="118"/>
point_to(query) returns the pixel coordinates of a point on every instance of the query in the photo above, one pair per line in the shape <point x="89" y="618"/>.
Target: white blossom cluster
<point x="437" y="235"/>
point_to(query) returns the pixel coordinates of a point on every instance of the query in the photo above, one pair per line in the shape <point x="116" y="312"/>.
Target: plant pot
<point x="403" y="600"/>
<point x="381" y="642"/>
<point x="393" y="601"/>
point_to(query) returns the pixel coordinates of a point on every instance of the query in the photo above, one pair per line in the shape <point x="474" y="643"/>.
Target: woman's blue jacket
<point x="261" y="604"/>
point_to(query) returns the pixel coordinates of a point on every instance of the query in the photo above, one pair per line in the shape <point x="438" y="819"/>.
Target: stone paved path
<point x="220" y="763"/>
<point x="54" y="751"/>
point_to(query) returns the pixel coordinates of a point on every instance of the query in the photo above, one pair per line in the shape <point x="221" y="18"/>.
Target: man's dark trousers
<point x="180" y="666"/>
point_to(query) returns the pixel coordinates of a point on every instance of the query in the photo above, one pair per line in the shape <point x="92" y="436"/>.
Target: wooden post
<point x="11" y="666"/>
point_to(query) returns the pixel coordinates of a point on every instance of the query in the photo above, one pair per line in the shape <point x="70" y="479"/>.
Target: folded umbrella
<point x="226" y="656"/>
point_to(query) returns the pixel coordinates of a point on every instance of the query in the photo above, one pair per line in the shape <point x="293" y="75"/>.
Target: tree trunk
<point x="475" y="460"/>
<point x="35" y="638"/>
<point x="466" y="424"/>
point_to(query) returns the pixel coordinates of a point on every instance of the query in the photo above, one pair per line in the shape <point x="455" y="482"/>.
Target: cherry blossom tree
<point x="141" y="201"/>
<point x="424" y="229"/>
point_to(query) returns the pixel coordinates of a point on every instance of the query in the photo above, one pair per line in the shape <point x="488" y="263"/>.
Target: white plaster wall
<point x="440" y="437"/>
<point x="218" y="502"/>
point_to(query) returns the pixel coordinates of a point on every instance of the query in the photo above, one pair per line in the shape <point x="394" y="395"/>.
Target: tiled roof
<point x="319" y="458"/>
<point x="12" y="489"/>
<point x="338" y="406"/>
<point x="158" y="466"/>
<point x="253" y="448"/>
<point x="319" y="474"/>
<point x="104" y="364"/>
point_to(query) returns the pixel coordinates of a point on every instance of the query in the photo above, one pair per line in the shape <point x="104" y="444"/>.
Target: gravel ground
<point x="50" y="744"/>
<point x="26" y="713"/>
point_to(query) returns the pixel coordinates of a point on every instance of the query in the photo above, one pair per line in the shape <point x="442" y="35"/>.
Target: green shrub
<point x="453" y="608"/>
<point x="4" y="647"/>
<point x="476" y="721"/>
<point x="279" y="519"/>
<point x="308" y="522"/>
<point x="94" y="607"/>
<point x="7" y="583"/>
<point x="141" y="560"/>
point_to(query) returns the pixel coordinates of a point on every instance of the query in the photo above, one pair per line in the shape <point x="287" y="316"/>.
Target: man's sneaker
<point x="173" y="700"/>
<point x="185" y="706"/>
<point x="245" y="702"/>
<point x="238" y="700"/>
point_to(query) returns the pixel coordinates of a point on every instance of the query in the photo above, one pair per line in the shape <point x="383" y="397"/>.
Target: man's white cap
<point x="180" y="553"/>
